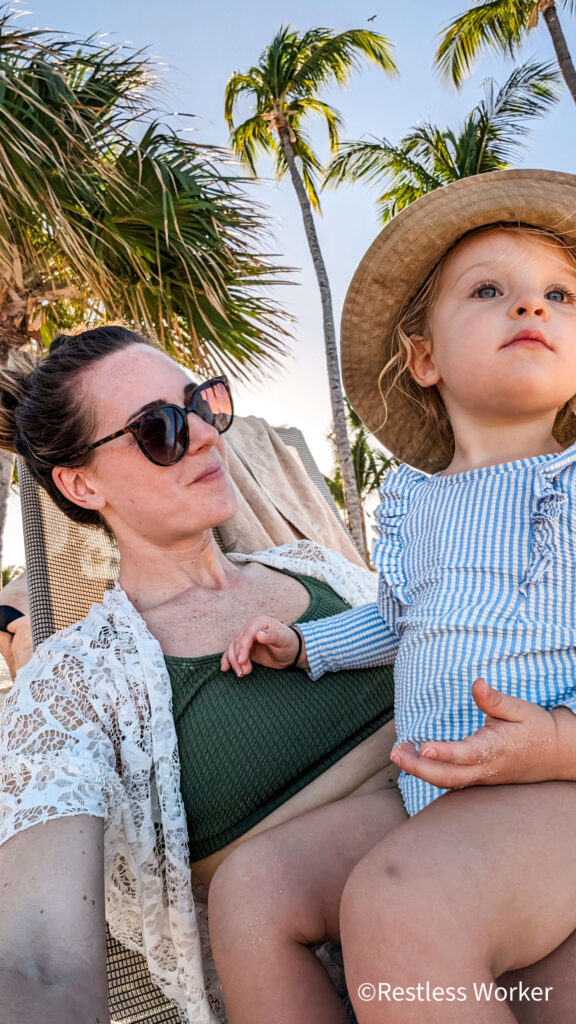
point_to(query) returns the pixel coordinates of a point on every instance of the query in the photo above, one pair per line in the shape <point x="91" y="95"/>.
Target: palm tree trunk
<point x="13" y="335"/>
<point x="336" y="394"/>
<point x="6" y="468"/>
<point x="563" y="57"/>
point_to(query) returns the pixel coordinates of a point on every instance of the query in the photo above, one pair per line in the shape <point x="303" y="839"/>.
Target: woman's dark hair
<point x="43" y="414"/>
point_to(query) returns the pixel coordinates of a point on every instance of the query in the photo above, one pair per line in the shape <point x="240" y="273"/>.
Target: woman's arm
<point x="519" y="742"/>
<point x="52" y="927"/>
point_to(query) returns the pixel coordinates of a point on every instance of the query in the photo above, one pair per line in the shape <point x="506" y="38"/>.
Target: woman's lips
<point x="209" y="475"/>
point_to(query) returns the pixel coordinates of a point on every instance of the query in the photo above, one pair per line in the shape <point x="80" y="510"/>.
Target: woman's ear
<point x="422" y="365"/>
<point x="75" y="486"/>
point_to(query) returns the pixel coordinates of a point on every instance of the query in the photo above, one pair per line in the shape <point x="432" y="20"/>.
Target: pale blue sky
<point x="201" y="44"/>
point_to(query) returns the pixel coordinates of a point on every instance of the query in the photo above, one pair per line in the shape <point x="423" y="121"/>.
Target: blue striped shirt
<point x="477" y="577"/>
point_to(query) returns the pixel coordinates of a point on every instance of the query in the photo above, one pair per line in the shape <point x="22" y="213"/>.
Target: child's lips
<point x="527" y="337"/>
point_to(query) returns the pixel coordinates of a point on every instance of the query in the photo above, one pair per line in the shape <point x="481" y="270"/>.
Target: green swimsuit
<point x="247" y="745"/>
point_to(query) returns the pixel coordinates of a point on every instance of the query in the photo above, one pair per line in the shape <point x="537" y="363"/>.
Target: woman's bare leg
<point x="480" y="883"/>
<point x="556" y="972"/>
<point x="276" y="895"/>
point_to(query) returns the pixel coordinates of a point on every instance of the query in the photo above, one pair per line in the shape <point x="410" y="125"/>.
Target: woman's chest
<point x="203" y="622"/>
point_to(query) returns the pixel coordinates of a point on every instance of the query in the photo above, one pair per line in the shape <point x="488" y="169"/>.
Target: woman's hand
<point x="21" y="648"/>
<point x="519" y="742"/>
<point x="266" y="641"/>
<point x="16" y="642"/>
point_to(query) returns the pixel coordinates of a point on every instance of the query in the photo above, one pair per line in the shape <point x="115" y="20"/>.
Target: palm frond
<point x="251" y="83"/>
<point x="498" y="25"/>
<point x="500" y="122"/>
<point x="333" y="58"/>
<point x="430" y="156"/>
<point x="105" y="213"/>
<point x="334" y="122"/>
<point x="391" y="168"/>
<point x="250" y="138"/>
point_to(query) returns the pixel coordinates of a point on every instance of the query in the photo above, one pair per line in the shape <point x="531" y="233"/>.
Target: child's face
<point x="501" y="336"/>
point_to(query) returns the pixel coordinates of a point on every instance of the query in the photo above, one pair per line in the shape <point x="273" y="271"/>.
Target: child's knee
<point x="386" y="892"/>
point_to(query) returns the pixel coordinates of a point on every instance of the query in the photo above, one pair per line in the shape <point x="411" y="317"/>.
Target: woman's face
<point x="165" y="505"/>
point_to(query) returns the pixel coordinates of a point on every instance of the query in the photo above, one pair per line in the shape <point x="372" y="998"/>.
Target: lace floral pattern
<point x="88" y="729"/>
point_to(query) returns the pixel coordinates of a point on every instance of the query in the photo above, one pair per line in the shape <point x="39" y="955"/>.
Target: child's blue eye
<point x="485" y="291"/>
<point x="559" y="295"/>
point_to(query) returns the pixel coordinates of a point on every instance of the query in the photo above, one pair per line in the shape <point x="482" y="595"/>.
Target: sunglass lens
<point x="212" y="402"/>
<point x="163" y="435"/>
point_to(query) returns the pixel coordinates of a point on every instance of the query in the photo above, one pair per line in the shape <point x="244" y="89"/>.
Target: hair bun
<point x="8" y="400"/>
<point x="14" y="388"/>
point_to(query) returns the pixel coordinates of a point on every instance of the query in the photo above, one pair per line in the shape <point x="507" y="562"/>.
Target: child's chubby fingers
<point x="263" y="639"/>
<point x="470" y="751"/>
<point x="445" y="775"/>
<point x="234" y="657"/>
<point x="237" y="655"/>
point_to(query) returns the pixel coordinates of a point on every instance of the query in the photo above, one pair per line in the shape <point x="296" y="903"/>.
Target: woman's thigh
<point x="290" y="878"/>
<point x="545" y="992"/>
<point x="487" y="874"/>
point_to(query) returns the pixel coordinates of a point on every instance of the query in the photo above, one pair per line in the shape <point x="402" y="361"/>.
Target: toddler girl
<point x="459" y="352"/>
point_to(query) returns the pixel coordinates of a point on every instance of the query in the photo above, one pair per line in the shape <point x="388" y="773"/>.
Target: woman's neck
<point x="152" y="576"/>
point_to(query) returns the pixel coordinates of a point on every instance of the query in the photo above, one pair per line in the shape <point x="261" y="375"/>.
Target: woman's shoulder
<point x="354" y="583"/>
<point x="91" y="648"/>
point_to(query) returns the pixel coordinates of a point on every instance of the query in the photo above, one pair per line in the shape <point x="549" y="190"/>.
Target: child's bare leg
<point x="480" y="883"/>
<point x="279" y="893"/>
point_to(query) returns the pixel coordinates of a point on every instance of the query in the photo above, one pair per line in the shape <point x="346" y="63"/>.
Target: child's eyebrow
<point x="488" y="265"/>
<point x="493" y="267"/>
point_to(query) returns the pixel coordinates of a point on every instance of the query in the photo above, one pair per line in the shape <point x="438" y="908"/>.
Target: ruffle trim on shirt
<point x="545" y="517"/>
<point x="388" y="553"/>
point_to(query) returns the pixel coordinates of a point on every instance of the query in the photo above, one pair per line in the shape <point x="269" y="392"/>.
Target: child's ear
<point x="422" y="365"/>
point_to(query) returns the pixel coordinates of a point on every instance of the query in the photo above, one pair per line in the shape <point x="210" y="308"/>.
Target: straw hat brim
<point x="398" y="263"/>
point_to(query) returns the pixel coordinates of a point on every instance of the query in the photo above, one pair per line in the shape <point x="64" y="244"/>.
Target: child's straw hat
<point x="398" y="263"/>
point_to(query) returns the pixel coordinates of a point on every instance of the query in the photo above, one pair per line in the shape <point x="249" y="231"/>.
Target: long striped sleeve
<point x="358" y="638"/>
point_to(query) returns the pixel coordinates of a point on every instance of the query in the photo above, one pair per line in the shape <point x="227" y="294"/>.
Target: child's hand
<point x="519" y="742"/>
<point x="266" y="641"/>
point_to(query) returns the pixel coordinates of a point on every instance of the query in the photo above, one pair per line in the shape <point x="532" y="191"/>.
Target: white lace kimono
<point x="88" y="729"/>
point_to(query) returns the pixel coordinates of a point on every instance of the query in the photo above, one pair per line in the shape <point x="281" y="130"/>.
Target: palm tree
<point x="501" y="26"/>
<point x="96" y="223"/>
<point x="9" y="573"/>
<point x="429" y="156"/>
<point x="285" y="87"/>
<point x="370" y="464"/>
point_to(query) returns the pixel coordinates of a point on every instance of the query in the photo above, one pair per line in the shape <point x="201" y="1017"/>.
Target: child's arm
<point x="519" y="742"/>
<point x="354" y="639"/>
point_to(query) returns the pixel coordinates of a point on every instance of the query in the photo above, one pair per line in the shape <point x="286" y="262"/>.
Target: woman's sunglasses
<point x="162" y="432"/>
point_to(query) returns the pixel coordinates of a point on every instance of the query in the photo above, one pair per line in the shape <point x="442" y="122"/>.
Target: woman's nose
<point x="201" y="433"/>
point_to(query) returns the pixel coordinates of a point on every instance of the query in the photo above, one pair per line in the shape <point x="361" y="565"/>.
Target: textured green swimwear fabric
<point x="247" y="745"/>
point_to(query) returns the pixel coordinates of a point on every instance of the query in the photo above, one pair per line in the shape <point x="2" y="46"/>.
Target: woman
<point x="90" y="773"/>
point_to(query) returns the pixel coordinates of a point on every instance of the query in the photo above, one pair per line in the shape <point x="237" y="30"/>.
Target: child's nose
<point x="529" y="308"/>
